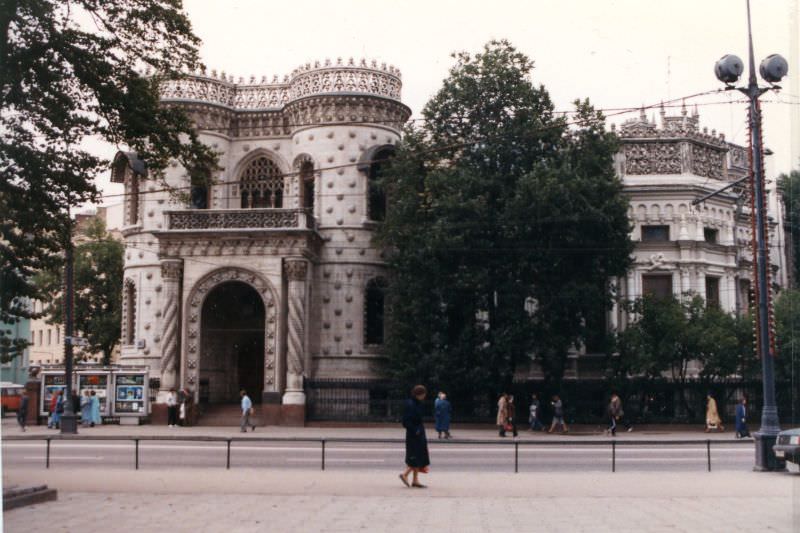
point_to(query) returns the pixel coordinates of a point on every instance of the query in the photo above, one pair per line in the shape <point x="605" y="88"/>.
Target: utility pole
<point x="773" y="68"/>
<point x="69" y="420"/>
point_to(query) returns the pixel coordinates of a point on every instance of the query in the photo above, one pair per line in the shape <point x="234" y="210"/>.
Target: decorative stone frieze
<point x="237" y="218"/>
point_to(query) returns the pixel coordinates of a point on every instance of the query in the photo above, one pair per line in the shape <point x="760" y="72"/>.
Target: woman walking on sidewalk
<point x="441" y="412"/>
<point x="95" y="410"/>
<point x="417" y="457"/>
<point x="502" y="413"/>
<point x="713" y="421"/>
<point x="558" y="415"/>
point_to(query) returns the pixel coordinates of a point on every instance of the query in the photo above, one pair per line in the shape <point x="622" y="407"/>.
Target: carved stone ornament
<point x="172" y="269"/>
<point x="678" y="146"/>
<point x="296" y="270"/>
<point x="194" y="306"/>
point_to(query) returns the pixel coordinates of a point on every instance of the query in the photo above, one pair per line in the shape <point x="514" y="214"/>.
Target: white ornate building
<point x="269" y="276"/>
<point x="705" y="249"/>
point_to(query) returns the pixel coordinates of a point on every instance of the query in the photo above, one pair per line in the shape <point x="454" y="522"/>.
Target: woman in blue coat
<point x="95" y="410"/>
<point x="417" y="458"/>
<point x="441" y="412"/>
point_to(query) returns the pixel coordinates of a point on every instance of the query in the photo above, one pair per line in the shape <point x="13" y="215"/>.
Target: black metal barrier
<point x="322" y="441"/>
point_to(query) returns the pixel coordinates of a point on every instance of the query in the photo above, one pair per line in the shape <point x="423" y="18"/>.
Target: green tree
<point x="668" y="335"/>
<point x="98" y="290"/>
<point x="505" y="224"/>
<point x="787" y="334"/>
<point x="69" y="71"/>
<point x="790" y="193"/>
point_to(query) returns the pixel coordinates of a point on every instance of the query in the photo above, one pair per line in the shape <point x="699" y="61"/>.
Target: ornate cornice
<point x="308" y="80"/>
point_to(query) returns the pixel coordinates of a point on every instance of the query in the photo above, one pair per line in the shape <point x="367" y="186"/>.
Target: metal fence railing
<point x="611" y="444"/>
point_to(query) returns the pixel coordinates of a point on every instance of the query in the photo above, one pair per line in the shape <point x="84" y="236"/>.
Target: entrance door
<point x="232" y="343"/>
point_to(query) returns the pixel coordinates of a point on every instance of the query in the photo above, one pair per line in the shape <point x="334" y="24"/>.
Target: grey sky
<point x="619" y="53"/>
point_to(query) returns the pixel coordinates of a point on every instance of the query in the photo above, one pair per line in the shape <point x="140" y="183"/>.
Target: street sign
<point x="77" y="341"/>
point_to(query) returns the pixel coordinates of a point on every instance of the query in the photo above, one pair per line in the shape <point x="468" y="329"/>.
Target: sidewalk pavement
<point x="345" y="501"/>
<point x="379" y="431"/>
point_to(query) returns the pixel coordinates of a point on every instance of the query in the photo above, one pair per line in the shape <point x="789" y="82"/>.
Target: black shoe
<point x="254" y="428"/>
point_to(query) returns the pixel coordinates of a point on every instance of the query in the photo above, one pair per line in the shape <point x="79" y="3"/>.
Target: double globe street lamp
<point x="772" y="69"/>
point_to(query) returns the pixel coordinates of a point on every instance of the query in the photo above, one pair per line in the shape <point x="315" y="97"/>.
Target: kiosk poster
<point x="52" y="384"/>
<point x="129" y="396"/>
<point x="97" y="383"/>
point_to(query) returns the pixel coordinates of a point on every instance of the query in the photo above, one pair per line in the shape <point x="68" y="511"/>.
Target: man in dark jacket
<point x="616" y="414"/>
<point x="22" y="412"/>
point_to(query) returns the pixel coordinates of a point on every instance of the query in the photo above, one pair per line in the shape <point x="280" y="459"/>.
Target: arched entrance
<point x="232" y="341"/>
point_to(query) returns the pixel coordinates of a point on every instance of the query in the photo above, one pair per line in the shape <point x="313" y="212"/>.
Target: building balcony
<point x="239" y="219"/>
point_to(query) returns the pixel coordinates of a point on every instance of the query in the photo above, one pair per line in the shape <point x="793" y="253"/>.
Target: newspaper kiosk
<point x="131" y="396"/>
<point x="52" y="382"/>
<point x="99" y="381"/>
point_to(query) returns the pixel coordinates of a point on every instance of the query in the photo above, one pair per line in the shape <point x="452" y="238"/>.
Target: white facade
<point x="289" y="215"/>
<point x="703" y="249"/>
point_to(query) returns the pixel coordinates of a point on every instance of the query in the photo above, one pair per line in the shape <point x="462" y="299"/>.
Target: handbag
<point x="507" y="426"/>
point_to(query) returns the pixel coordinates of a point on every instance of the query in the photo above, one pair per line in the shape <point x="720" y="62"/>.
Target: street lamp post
<point x="773" y="68"/>
<point x="69" y="420"/>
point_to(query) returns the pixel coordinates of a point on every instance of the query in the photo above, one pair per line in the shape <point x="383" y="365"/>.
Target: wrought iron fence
<point x="585" y="401"/>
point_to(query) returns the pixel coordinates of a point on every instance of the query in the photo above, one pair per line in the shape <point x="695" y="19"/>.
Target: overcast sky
<point x="618" y="53"/>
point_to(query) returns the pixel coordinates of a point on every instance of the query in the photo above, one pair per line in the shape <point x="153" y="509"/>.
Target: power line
<point x="443" y="148"/>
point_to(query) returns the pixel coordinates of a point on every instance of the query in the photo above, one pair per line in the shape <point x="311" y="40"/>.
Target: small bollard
<point x="613" y="456"/>
<point x="516" y="457"/>
<point x="48" y="454"/>
<point x="323" y="454"/>
<point x="708" y="452"/>
<point x="137" y="453"/>
<point x="228" y="464"/>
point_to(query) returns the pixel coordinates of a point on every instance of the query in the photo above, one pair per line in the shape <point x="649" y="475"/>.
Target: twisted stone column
<point x="171" y="275"/>
<point x="296" y="271"/>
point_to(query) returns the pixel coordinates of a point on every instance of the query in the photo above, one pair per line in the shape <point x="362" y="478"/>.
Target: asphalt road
<point x="453" y="457"/>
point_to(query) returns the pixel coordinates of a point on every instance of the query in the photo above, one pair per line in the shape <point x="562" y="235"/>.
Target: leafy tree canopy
<point x="68" y="71"/>
<point x="790" y="192"/>
<point x="504" y="225"/>
<point x="668" y="335"/>
<point x="97" y="275"/>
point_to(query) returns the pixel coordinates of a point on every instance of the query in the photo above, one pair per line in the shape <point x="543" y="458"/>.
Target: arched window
<point x="261" y="184"/>
<point x="129" y="313"/>
<point x="374" y="312"/>
<point x="376" y="194"/>
<point x="133" y="200"/>
<point x="307" y="184"/>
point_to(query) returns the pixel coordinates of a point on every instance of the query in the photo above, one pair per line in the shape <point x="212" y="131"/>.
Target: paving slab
<point x="310" y="500"/>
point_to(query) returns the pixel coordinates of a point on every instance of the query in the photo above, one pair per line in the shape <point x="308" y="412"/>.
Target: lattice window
<point x="374" y="312"/>
<point x="261" y="184"/>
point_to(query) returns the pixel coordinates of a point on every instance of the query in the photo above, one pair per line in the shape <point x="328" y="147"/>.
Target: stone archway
<point x="194" y="325"/>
